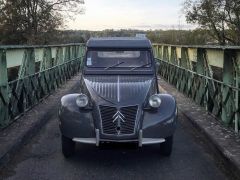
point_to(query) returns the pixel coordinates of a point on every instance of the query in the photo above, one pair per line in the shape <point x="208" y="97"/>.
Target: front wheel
<point x="68" y="146"/>
<point x="166" y="147"/>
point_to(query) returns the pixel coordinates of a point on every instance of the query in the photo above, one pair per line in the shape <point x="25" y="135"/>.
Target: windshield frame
<point x="117" y="68"/>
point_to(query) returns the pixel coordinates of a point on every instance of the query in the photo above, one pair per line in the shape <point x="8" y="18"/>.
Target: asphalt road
<point x="41" y="158"/>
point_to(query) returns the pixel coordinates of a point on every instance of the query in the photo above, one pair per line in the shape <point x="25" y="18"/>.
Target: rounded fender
<point x="161" y="122"/>
<point x="75" y="122"/>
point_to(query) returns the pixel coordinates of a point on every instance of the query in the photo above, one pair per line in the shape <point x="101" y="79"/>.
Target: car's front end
<point x="118" y="102"/>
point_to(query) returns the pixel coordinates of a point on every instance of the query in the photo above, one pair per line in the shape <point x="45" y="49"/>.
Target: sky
<point x="130" y="14"/>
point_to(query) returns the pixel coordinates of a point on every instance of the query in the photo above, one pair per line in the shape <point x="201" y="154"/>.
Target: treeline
<point x="39" y="21"/>
<point x="183" y="37"/>
<point x="187" y="37"/>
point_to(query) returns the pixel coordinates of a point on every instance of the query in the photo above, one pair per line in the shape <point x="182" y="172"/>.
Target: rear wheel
<point x="68" y="146"/>
<point x="166" y="147"/>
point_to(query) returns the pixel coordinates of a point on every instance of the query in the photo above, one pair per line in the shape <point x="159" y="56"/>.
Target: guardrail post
<point x="28" y="64"/>
<point x="183" y="87"/>
<point x="227" y="93"/>
<point x="46" y="63"/>
<point x="173" y="58"/>
<point x="27" y="68"/>
<point x="59" y="55"/>
<point x="185" y="62"/>
<point x="47" y="59"/>
<point x="200" y="69"/>
<point x="165" y="54"/>
<point x="159" y="54"/>
<point x="200" y="61"/>
<point x="67" y="55"/>
<point x="4" y="98"/>
<point x="237" y="94"/>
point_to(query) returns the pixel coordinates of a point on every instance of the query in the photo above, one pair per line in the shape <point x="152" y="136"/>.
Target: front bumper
<point x="141" y="141"/>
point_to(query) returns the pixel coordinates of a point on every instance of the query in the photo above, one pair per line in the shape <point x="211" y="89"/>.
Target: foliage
<point x="220" y="17"/>
<point x="33" y="21"/>
<point x="187" y="37"/>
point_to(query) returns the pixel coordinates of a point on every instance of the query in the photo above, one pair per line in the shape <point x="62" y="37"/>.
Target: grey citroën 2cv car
<point x="119" y="98"/>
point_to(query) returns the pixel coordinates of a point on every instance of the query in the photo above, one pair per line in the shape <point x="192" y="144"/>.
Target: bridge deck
<point x="41" y="157"/>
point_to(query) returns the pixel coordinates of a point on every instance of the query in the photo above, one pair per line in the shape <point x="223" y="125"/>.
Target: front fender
<point x="75" y="122"/>
<point x="161" y="123"/>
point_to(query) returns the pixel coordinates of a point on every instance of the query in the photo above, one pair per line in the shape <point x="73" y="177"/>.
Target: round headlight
<point x="82" y="100"/>
<point x="155" y="101"/>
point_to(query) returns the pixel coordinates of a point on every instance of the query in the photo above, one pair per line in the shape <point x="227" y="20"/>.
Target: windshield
<point x="118" y="59"/>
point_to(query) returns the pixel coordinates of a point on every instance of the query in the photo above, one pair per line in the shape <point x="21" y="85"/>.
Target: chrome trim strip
<point x="118" y="90"/>
<point x="140" y="138"/>
<point x="85" y="140"/>
<point x="97" y="137"/>
<point x="143" y="141"/>
<point x="89" y="140"/>
<point x="148" y="141"/>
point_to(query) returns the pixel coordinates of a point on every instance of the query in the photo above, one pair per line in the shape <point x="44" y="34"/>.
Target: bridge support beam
<point x="185" y="62"/>
<point x="4" y="98"/>
<point x="173" y="58"/>
<point x="165" y="54"/>
<point x="228" y="105"/>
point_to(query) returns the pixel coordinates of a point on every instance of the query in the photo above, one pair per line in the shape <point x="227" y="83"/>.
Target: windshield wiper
<point x="140" y="66"/>
<point x="115" y="65"/>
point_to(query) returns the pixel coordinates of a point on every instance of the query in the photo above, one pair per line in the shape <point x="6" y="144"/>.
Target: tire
<point x="68" y="147"/>
<point x="166" y="147"/>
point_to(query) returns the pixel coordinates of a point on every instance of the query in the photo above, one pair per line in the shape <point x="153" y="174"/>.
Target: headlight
<point x="155" y="101"/>
<point x="82" y="100"/>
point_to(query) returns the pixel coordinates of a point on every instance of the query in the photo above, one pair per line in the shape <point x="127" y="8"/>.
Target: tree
<point x="221" y="17"/>
<point x="33" y="21"/>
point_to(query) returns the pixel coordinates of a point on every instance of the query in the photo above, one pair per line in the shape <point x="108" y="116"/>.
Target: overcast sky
<point x="130" y="14"/>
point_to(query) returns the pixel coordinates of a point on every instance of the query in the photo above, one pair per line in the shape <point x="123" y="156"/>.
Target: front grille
<point x="118" y="122"/>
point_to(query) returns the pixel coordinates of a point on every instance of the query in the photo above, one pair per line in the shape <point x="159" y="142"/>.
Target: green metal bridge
<point x="40" y="71"/>
<point x="210" y="75"/>
<point x="205" y="81"/>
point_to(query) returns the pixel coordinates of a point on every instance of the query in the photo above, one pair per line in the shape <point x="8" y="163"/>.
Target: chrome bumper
<point x="141" y="141"/>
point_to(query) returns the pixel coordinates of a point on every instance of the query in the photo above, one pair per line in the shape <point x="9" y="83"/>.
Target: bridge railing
<point x="210" y="75"/>
<point x="30" y="73"/>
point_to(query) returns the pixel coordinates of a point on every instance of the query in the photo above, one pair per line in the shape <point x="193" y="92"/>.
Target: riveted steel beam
<point x="28" y="63"/>
<point x="67" y="54"/>
<point x="173" y="58"/>
<point x="165" y="53"/>
<point x="160" y="52"/>
<point x="237" y="93"/>
<point x="228" y="78"/>
<point x="59" y="56"/>
<point x="185" y="62"/>
<point x="4" y="99"/>
<point x="47" y="59"/>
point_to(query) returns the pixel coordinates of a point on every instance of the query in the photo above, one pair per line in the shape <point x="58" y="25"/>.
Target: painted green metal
<point x="54" y="64"/>
<point x="189" y="68"/>
<point x="228" y="78"/>
<point x="194" y="76"/>
<point x="173" y="58"/>
<point x="185" y="58"/>
<point x="4" y="99"/>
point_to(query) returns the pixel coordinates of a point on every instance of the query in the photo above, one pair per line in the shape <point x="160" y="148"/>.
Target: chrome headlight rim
<point x="82" y="100"/>
<point x="155" y="101"/>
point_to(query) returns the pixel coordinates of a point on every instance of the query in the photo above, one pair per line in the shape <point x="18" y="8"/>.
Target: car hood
<point x="119" y="89"/>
